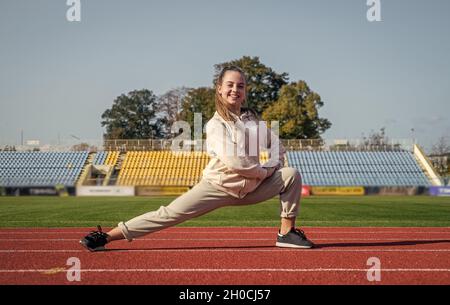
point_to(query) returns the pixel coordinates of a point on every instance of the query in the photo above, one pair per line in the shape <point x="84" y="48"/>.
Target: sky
<point x="58" y="77"/>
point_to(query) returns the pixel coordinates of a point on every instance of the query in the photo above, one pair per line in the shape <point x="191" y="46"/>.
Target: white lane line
<point x="224" y="250"/>
<point x="232" y="270"/>
<point x="225" y="239"/>
<point x="246" y="232"/>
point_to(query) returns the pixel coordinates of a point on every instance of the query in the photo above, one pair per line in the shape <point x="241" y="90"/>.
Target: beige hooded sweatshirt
<point x="234" y="149"/>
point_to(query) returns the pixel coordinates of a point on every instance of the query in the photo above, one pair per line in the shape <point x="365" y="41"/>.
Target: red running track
<point x="229" y="256"/>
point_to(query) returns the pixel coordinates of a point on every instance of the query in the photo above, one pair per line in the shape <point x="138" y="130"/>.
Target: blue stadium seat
<point x="40" y="168"/>
<point x="357" y="168"/>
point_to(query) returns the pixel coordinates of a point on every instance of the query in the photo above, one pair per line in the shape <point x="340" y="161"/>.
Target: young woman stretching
<point x="230" y="178"/>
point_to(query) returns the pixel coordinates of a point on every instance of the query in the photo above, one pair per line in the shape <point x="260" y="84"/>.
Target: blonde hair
<point x="221" y="104"/>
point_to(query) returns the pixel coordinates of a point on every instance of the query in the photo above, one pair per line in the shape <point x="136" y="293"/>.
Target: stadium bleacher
<point x="106" y="158"/>
<point x="164" y="168"/>
<point x="347" y="168"/>
<point x="23" y="169"/>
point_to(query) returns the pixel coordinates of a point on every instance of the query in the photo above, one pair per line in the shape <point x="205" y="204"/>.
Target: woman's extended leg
<point x="201" y="199"/>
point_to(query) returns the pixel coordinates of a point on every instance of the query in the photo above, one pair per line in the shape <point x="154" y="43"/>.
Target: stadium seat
<point x="320" y="168"/>
<point x="19" y="169"/>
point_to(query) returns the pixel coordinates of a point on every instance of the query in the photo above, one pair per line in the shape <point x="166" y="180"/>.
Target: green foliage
<point x="133" y="116"/>
<point x="297" y="112"/>
<point x="263" y="84"/>
<point x="200" y="100"/>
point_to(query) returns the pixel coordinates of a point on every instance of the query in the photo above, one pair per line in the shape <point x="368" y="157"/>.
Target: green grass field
<point x="386" y="211"/>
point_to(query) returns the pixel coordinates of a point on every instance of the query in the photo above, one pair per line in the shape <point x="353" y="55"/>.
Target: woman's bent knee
<point x="291" y="173"/>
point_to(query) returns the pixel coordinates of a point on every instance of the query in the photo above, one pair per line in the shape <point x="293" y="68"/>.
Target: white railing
<point x="149" y="144"/>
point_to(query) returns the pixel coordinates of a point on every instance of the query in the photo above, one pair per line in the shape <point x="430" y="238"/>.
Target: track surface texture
<point x="229" y="256"/>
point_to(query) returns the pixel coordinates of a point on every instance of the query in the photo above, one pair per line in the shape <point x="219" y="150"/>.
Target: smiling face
<point x="232" y="90"/>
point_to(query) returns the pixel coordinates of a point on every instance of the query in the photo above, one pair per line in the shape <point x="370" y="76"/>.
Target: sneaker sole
<point x="285" y="245"/>
<point x="92" y="249"/>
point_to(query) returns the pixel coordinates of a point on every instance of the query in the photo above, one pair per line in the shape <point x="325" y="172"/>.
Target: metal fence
<point x="164" y="144"/>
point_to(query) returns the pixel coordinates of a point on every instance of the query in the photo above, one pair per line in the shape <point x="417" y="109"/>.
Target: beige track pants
<point x="203" y="198"/>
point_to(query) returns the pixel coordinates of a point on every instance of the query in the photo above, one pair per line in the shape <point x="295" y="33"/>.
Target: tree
<point x="133" y="116"/>
<point x="440" y="157"/>
<point x="200" y="100"/>
<point x="296" y="110"/>
<point x="377" y="138"/>
<point x="263" y="84"/>
<point x="441" y="147"/>
<point x="170" y="105"/>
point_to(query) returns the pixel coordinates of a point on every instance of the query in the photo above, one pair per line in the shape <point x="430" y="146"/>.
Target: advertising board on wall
<point x="105" y="191"/>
